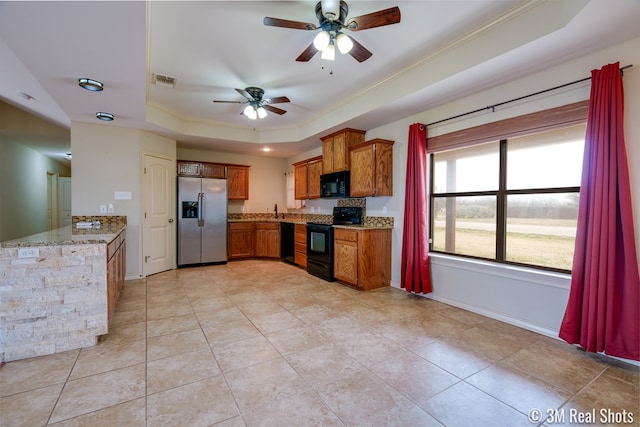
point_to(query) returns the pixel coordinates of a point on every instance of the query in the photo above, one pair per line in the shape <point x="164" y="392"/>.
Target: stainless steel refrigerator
<point x="202" y="221"/>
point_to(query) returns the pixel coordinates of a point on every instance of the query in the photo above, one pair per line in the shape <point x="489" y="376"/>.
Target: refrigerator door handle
<point x="201" y="209"/>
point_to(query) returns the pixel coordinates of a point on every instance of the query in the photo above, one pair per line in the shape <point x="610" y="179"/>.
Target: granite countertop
<point x="359" y="227"/>
<point x="364" y="227"/>
<point x="68" y="236"/>
<point x="292" y="221"/>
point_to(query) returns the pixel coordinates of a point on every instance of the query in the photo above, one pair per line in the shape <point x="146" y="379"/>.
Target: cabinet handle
<point x="170" y="220"/>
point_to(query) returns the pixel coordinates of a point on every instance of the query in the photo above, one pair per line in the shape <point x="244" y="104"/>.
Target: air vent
<point x="166" y="81"/>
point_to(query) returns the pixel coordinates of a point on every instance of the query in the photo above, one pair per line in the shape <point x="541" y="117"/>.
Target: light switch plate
<point x="122" y="195"/>
<point x="103" y="208"/>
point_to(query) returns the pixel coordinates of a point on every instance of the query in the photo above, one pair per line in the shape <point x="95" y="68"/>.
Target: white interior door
<point x="159" y="230"/>
<point x="64" y="201"/>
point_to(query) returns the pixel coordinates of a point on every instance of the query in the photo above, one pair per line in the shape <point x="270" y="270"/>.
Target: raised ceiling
<point x="439" y="51"/>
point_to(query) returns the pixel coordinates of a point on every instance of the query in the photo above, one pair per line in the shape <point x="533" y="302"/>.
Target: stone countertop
<point x="280" y="220"/>
<point x="364" y="227"/>
<point x="68" y="236"/>
<point x="358" y="227"/>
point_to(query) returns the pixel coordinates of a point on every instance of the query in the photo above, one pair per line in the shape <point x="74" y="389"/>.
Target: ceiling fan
<point x="332" y="15"/>
<point x="257" y="105"/>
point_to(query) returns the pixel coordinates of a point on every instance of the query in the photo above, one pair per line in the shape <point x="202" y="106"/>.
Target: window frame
<point x="539" y="122"/>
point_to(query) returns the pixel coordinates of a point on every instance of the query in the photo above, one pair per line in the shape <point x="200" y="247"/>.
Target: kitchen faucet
<point x="275" y="209"/>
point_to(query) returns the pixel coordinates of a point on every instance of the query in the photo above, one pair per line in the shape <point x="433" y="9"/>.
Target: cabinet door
<point x="240" y="240"/>
<point x="261" y="243"/>
<point x="300" y="181"/>
<point x="273" y="242"/>
<point x="345" y="262"/>
<point x="362" y="171"/>
<point x="383" y="170"/>
<point x="327" y="155"/>
<point x="314" y="170"/>
<point x="339" y="152"/>
<point x="212" y="170"/>
<point x="267" y="239"/>
<point x="237" y="182"/>
<point x="188" y="168"/>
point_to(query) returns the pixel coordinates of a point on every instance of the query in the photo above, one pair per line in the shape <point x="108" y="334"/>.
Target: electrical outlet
<point x="103" y="208"/>
<point x="28" y="253"/>
<point x="110" y="208"/>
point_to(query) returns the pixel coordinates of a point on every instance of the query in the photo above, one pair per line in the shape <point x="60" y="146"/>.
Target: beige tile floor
<point x="262" y="343"/>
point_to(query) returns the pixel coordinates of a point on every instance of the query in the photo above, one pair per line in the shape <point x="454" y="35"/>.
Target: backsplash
<point x="106" y="220"/>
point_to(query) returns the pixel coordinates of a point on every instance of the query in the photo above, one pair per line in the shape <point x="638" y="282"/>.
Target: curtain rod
<point x="493" y="107"/>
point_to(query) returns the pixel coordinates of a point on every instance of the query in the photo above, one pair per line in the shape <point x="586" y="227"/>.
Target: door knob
<point x="170" y="220"/>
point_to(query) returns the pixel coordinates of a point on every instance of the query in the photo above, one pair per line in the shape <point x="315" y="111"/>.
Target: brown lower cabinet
<point x="240" y="240"/>
<point x="300" y="251"/>
<point x="362" y="257"/>
<point x="267" y="240"/>
<point x="116" y="269"/>
<point x="253" y="239"/>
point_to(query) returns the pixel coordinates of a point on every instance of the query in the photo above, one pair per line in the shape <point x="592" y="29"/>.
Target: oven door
<point x="320" y="250"/>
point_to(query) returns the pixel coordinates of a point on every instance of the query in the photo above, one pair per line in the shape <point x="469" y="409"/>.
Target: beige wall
<point x="23" y="171"/>
<point x="107" y="159"/>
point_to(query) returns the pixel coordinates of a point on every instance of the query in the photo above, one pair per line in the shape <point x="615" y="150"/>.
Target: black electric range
<point x="320" y="241"/>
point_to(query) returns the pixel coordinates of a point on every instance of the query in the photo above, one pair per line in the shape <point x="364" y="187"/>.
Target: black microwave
<point x="335" y="185"/>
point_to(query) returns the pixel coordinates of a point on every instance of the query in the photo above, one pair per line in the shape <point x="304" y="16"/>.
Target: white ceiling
<point x="439" y="51"/>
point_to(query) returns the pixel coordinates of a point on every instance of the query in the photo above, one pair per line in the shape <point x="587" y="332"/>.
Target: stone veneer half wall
<point x="52" y="303"/>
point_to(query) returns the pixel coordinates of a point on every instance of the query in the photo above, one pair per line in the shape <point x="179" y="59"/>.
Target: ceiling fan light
<point x="262" y="113"/>
<point x="344" y="43"/>
<point x="329" y="53"/>
<point x="321" y="41"/>
<point x="250" y="112"/>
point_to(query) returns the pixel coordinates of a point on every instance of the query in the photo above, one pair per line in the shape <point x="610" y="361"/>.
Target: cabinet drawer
<point x="301" y="238"/>
<point x="240" y="226"/>
<point x="300" y="259"/>
<point x="343" y="234"/>
<point x="267" y="226"/>
<point x="301" y="247"/>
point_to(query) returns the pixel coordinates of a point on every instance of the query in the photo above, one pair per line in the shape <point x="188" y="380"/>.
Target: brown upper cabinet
<point x="372" y="168"/>
<point x="200" y="169"/>
<point x="307" y="178"/>
<point x="335" y="155"/>
<point x="237" y="182"/>
<point x="237" y="175"/>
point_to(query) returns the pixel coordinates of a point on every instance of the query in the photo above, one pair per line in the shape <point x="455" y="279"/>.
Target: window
<point x="514" y="200"/>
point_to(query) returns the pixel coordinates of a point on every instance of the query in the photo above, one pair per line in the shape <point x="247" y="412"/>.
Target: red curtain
<point x="603" y="312"/>
<point x="415" y="264"/>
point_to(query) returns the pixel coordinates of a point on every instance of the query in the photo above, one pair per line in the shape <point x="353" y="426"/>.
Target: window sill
<point x="542" y="277"/>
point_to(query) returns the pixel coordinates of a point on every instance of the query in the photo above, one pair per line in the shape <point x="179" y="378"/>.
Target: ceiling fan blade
<point x="307" y="54"/>
<point x="229" y="102"/>
<point x="375" y="19"/>
<point x="274" y="109"/>
<point x="244" y="93"/>
<point x="359" y="52"/>
<point x="276" y="100"/>
<point x="285" y="23"/>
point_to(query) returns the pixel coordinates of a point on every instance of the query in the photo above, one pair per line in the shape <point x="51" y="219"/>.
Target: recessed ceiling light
<point x="90" y="84"/>
<point x="107" y="117"/>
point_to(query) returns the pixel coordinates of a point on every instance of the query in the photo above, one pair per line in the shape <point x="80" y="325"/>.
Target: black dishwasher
<point x="287" y="241"/>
